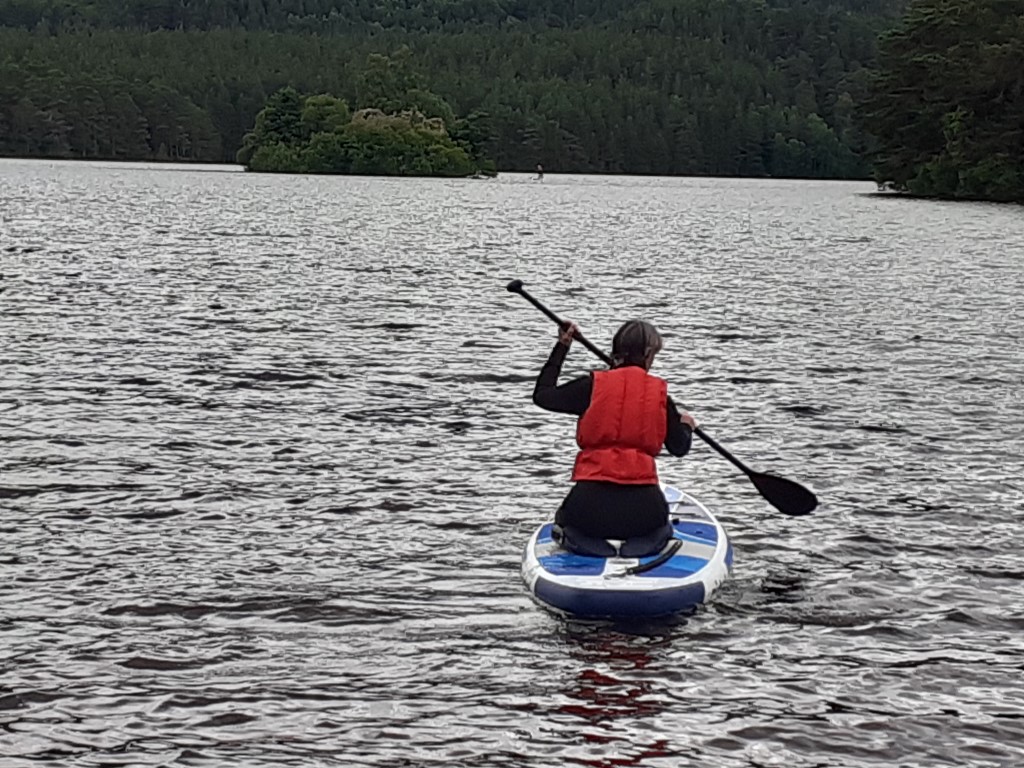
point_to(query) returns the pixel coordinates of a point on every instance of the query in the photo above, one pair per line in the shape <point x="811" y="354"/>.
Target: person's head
<point x="635" y="343"/>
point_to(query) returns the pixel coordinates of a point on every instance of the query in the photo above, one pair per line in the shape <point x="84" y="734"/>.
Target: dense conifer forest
<point x="723" y="87"/>
<point x="945" y="103"/>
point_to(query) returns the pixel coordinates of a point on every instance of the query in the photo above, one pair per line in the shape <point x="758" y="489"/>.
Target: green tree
<point x="329" y="139"/>
<point x="324" y="114"/>
<point x="280" y="122"/>
<point x="652" y="86"/>
<point x="946" y="103"/>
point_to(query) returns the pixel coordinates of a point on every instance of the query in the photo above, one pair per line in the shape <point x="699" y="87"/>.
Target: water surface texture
<point x="269" y="460"/>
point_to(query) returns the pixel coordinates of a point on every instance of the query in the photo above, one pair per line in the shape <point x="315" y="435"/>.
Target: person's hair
<point x="634" y="342"/>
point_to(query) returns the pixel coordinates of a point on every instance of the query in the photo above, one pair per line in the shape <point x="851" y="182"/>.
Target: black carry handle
<point x="787" y="496"/>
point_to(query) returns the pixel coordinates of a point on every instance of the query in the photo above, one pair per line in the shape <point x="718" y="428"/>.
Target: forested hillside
<point x="725" y="87"/>
<point x="946" y="102"/>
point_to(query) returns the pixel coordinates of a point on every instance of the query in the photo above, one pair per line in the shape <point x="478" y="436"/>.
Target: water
<point x="269" y="460"/>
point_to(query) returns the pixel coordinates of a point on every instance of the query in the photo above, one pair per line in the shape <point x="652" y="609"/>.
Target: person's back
<point x="626" y="417"/>
<point x="623" y="429"/>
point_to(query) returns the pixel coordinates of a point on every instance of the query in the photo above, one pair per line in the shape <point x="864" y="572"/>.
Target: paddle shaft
<point x="788" y="497"/>
<point x="561" y="323"/>
<point x="516" y="286"/>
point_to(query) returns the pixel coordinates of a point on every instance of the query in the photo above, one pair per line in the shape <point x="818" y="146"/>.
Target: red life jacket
<point x="623" y="429"/>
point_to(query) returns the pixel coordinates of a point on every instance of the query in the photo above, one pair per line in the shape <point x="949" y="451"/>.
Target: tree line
<point x="708" y="87"/>
<point x="335" y="16"/>
<point x="716" y="87"/>
<point x="945" y="105"/>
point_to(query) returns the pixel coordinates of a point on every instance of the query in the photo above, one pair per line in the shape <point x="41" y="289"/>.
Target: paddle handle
<point x="516" y="286"/>
<point x="788" y="497"/>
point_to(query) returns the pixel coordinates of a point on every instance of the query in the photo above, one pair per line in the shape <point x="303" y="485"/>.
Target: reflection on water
<point x="609" y="688"/>
<point x="269" y="461"/>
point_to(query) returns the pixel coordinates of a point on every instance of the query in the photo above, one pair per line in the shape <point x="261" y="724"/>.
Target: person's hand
<point x="566" y="332"/>
<point x="688" y="420"/>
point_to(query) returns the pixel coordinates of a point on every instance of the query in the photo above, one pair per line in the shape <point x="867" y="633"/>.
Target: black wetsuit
<point x="602" y="509"/>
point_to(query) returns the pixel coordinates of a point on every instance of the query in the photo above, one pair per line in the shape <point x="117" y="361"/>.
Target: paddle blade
<point x="786" y="496"/>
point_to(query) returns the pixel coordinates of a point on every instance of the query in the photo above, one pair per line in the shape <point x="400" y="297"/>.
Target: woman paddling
<point x="626" y="416"/>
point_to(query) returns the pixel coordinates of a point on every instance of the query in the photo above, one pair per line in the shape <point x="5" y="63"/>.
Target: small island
<point x="400" y="129"/>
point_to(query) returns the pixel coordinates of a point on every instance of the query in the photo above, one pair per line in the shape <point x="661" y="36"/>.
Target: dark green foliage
<point x="317" y="135"/>
<point x="946" y="104"/>
<point x="279" y="125"/>
<point x="276" y="158"/>
<point x="657" y="86"/>
<point x="394" y="150"/>
<point x="324" y="113"/>
<point x="475" y="135"/>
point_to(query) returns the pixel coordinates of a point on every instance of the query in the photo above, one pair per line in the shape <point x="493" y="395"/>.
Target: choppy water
<point x="269" y="460"/>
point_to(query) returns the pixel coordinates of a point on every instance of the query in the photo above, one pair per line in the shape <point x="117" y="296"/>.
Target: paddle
<point x="788" y="497"/>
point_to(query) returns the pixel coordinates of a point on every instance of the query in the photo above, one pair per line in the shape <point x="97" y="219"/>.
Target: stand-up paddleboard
<point x="679" y="578"/>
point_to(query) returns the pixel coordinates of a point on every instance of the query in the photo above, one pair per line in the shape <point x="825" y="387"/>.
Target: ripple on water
<point x="269" y="459"/>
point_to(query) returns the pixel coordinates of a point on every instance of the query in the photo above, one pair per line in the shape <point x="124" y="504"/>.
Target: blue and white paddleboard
<point x="616" y="587"/>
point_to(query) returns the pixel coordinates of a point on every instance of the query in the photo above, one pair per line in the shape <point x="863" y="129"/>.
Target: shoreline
<point x="224" y="167"/>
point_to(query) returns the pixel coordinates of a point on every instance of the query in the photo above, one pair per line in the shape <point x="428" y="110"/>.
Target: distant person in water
<point x="626" y="416"/>
<point x="540" y="171"/>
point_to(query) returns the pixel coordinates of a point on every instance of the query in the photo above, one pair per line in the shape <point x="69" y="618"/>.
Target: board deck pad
<point x="698" y="535"/>
<point x="596" y="586"/>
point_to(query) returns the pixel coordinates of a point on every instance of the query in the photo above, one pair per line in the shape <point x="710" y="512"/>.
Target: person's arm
<point x="573" y="397"/>
<point x="679" y="437"/>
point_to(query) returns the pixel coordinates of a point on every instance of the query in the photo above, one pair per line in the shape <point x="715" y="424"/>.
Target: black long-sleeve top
<point x="574" y="397"/>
